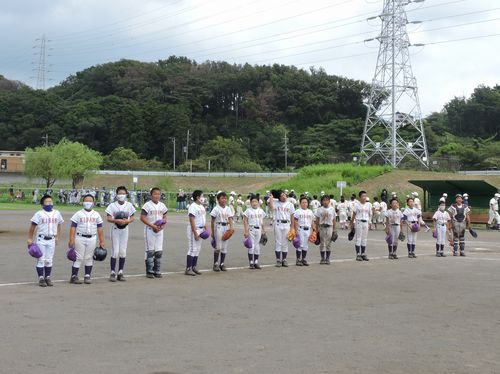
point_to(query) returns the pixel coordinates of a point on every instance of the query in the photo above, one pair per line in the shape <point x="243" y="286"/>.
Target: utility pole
<point x="187" y="145"/>
<point x="286" y="151"/>
<point x="46" y="138"/>
<point x="393" y="103"/>
<point x="173" y="141"/>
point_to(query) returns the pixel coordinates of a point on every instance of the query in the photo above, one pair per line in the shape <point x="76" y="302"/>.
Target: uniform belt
<point x="46" y="237"/>
<point x="394" y="224"/>
<point x="200" y="227"/>
<point x="222" y="223"/>
<point x="325" y="225"/>
<point x="85" y="235"/>
<point x="413" y="221"/>
<point x="442" y="224"/>
<point x="304" y="227"/>
<point x="363" y="220"/>
<point x="256" y="227"/>
<point x="282" y="221"/>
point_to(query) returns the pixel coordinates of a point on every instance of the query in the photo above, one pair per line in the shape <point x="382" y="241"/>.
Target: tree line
<point x="237" y="115"/>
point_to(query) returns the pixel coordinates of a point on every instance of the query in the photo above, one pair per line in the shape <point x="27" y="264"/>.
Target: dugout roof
<point x="480" y="192"/>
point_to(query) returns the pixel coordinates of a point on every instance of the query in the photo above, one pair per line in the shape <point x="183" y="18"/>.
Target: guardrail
<point x="480" y="172"/>
<point x="191" y="174"/>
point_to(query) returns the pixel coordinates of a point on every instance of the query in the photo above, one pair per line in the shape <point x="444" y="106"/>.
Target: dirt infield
<point x="427" y="315"/>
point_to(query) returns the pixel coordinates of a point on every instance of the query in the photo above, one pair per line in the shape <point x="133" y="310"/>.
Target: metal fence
<point x="192" y="174"/>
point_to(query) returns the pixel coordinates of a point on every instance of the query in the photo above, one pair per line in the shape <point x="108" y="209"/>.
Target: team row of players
<point x="301" y="226"/>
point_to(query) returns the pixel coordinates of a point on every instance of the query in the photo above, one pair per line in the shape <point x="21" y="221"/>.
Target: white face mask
<point x="87" y="205"/>
<point x="121" y="198"/>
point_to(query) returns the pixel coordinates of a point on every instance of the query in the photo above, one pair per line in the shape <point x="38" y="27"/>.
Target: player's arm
<point x="193" y="227"/>
<point x="212" y="227"/>
<point x="72" y="234"/>
<point x="144" y="219"/>
<point x="31" y="232"/>
<point x="58" y="234"/>
<point x="231" y="223"/>
<point x="132" y="218"/>
<point x="387" y="224"/>
<point x="246" y="230"/>
<point x="353" y="218"/>
<point x="334" y="223"/>
<point x="295" y="224"/>
<point x="110" y="218"/>
<point x="100" y="235"/>
<point x="467" y="220"/>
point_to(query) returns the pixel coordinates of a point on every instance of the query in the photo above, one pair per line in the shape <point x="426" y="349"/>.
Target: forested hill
<point x="237" y="115"/>
<point x="143" y="105"/>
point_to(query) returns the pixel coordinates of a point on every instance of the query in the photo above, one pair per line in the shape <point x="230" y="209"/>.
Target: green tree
<point x="75" y="160"/>
<point x="40" y="162"/>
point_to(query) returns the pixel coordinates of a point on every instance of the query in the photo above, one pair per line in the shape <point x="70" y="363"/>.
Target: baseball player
<point x="232" y="201"/>
<point x="325" y="222"/>
<point x="253" y="227"/>
<point x="411" y="218"/>
<point x="121" y="213"/>
<point x="460" y="221"/>
<point x="222" y="221"/>
<point x="383" y="209"/>
<point x="393" y="218"/>
<point x="282" y="212"/>
<point x="153" y="214"/>
<point x="314" y="204"/>
<point x="361" y="217"/>
<point x="417" y="204"/>
<point x="442" y="225"/>
<point x="47" y="224"/>
<point x="376" y="213"/>
<point x="304" y="224"/>
<point x="197" y="224"/>
<point x="493" y="212"/>
<point x="342" y="208"/>
<point x="239" y="208"/>
<point x="86" y="224"/>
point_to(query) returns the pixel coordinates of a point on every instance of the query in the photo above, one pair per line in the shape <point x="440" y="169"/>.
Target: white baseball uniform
<point x="304" y="218"/>
<point x="394" y="216"/>
<point x="198" y="212"/>
<point x="153" y="213"/>
<point x="119" y="236"/>
<point x="342" y="207"/>
<point x="46" y="231"/>
<point x="222" y="217"/>
<point x="411" y="216"/>
<point x="314" y="205"/>
<point x="255" y="219"/>
<point x="282" y="213"/>
<point x="442" y="218"/>
<point x="86" y="224"/>
<point x="363" y="214"/>
<point x="493" y="212"/>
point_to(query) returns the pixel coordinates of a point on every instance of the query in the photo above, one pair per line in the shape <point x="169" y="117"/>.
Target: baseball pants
<point x="84" y="248"/>
<point x="119" y="241"/>
<point x="361" y="233"/>
<point x="493" y="215"/>
<point x="459" y="236"/>
<point x="194" y="246"/>
<point x="394" y="230"/>
<point x="304" y="238"/>
<point x="441" y="234"/>
<point x="255" y="234"/>
<point x="220" y="245"/>
<point x="325" y="237"/>
<point x="48" y="248"/>
<point x="280" y="236"/>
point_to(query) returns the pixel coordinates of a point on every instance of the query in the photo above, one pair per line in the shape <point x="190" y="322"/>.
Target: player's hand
<point x="30" y="241"/>
<point x="102" y="245"/>
<point x="246" y="235"/>
<point x="196" y="237"/>
<point x="71" y="244"/>
<point x="156" y="229"/>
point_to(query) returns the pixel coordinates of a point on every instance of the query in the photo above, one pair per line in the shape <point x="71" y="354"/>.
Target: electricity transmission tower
<point x="42" y="63"/>
<point x="393" y="126"/>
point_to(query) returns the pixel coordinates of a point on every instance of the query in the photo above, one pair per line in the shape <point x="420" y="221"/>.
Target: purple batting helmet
<point x="35" y="251"/>
<point x="434" y="234"/>
<point x="205" y="234"/>
<point x="248" y="243"/>
<point x="388" y="238"/>
<point x="415" y="227"/>
<point x="160" y="222"/>
<point x="296" y="242"/>
<point x="71" y="254"/>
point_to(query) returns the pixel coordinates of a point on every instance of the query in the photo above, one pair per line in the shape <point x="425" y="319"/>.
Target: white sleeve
<point x="99" y="220"/>
<point x="59" y="218"/>
<point x="36" y="218"/>
<point x="74" y="218"/>
<point x="213" y="213"/>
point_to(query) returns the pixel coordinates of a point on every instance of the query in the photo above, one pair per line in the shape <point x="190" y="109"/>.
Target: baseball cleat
<point x="394" y="256"/>
<point x="390" y="256"/>
<point x="359" y="258"/>
<point x="252" y="266"/>
<point x="216" y="267"/>
<point x="284" y="263"/>
<point x="305" y="263"/>
<point x="196" y="271"/>
<point x="120" y="277"/>
<point x="150" y="275"/>
<point x="112" y="277"/>
<point x="462" y="254"/>
<point x="158" y="275"/>
<point x="190" y="272"/>
<point x="257" y="266"/>
<point x="41" y="282"/>
<point x="327" y="261"/>
<point x="87" y="280"/>
<point x="74" y="280"/>
<point x="48" y="281"/>
<point x="298" y="263"/>
<point x="223" y="267"/>
<point x="278" y="263"/>
<point x="365" y="258"/>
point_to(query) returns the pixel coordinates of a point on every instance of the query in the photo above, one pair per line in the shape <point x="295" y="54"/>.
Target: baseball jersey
<point x="333" y="204"/>
<point x="255" y="217"/>
<point x="304" y="217"/>
<point x="198" y="212"/>
<point x="394" y="216"/>
<point x="342" y="207"/>
<point x="458" y="213"/>
<point x="153" y="211"/>
<point x="411" y="214"/>
<point x="376" y="206"/>
<point x="47" y="222"/>
<point x="239" y="202"/>
<point x="417" y="204"/>
<point x="494" y="205"/>
<point x="282" y="211"/>
<point x="86" y="222"/>
<point x="315" y="205"/>
<point x="126" y="208"/>
<point x="221" y="214"/>
<point x="383" y="206"/>
<point x="362" y="211"/>
<point x="441" y="217"/>
<point x="325" y="215"/>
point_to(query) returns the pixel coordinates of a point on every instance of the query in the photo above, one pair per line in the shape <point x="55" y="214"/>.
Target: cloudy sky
<point x="462" y="37"/>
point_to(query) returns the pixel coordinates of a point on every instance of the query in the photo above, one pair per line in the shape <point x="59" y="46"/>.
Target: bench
<point x="474" y="217"/>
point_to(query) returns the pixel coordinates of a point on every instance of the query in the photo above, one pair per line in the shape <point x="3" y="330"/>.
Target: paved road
<point x="426" y="315"/>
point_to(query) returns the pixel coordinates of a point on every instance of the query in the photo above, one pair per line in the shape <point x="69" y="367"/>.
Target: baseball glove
<point x="227" y="234"/>
<point x="473" y="233"/>
<point x="318" y="239"/>
<point x="291" y="235"/>
<point x="263" y="239"/>
<point x="121" y="215"/>
<point x="350" y="236"/>
<point x="401" y="237"/>
<point x="313" y="237"/>
<point x="335" y="236"/>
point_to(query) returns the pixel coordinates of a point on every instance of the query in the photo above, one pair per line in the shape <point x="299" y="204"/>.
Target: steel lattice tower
<point x="393" y="126"/>
<point x="42" y="64"/>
